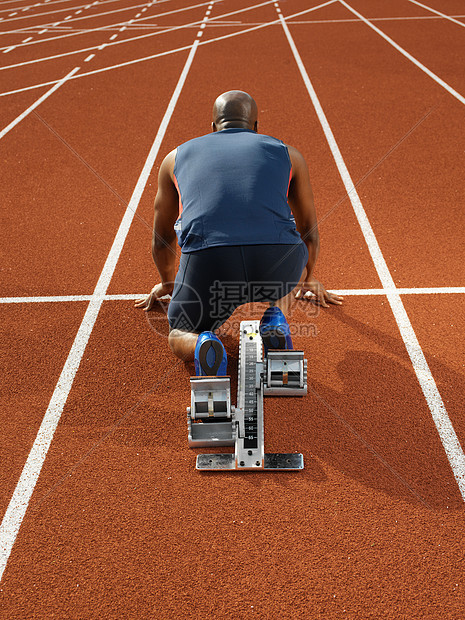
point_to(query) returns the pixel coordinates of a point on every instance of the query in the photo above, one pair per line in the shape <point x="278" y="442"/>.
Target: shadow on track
<point x="378" y="428"/>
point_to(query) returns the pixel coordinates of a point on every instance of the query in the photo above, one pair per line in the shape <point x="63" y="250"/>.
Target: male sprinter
<point x="237" y="201"/>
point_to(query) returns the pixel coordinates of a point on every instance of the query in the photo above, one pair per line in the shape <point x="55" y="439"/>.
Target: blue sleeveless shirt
<point x="233" y="187"/>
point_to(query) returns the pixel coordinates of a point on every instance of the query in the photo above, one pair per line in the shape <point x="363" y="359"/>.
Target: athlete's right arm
<point x="164" y="235"/>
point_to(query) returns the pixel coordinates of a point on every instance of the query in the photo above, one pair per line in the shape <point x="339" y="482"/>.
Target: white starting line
<point x="351" y="292"/>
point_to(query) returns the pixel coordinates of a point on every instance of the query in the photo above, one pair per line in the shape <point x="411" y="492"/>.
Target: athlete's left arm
<point x="303" y="208"/>
<point x="164" y="235"/>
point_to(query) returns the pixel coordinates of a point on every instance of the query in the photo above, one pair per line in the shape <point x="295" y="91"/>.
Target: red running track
<point x="113" y="520"/>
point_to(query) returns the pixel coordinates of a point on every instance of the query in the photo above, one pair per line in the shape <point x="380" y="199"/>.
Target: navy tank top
<point x="233" y="187"/>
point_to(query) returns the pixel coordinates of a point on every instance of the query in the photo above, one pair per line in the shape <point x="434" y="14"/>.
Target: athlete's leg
<point x="205" y="349"/>
<point x="274" y="328"/>
<point x="183" y="344"/>
<point x="279" y="269"/>
<point x="205" y="294"/>
<point x="285" y="302"/>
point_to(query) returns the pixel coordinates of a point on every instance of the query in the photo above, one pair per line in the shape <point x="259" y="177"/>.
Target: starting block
<point x="213" y="421"/>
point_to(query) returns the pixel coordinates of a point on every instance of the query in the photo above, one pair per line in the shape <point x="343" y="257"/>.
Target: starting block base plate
<point x="227" y="462"/>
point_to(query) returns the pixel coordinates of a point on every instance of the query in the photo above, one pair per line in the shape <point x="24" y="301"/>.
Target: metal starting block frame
<point x="212" y="420"/>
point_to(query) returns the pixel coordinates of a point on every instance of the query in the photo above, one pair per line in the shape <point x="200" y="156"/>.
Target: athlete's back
<point x="233" y="187"/>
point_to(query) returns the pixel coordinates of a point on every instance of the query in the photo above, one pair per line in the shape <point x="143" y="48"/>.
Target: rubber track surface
<point x="119" y="524"/>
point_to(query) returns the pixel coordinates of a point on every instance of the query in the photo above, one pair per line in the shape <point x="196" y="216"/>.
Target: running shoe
<point x="210" y="357"/>
<point x="274" y="330"/>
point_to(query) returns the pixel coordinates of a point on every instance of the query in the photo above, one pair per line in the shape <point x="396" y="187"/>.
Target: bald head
<point x="234" y="109"/>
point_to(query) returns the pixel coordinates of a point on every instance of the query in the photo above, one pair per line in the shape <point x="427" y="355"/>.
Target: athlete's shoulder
<point x="195" y="141"/>
<point x="269" y="138"/>
<point x="276" y="144"/>
<point x="296" y="157"/>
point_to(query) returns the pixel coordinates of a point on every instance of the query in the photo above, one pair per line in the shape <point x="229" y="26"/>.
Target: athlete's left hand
<point x="158" y="293"/>
<point x="314" y="290"/>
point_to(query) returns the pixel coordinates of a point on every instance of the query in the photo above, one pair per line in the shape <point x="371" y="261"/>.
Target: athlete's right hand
<point x="158" y="293"/>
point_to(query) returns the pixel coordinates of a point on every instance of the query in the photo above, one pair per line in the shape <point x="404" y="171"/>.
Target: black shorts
<point x="212" y="283"/>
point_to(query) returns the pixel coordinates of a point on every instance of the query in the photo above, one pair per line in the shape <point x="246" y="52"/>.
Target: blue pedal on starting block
<point x="213" y="421"/>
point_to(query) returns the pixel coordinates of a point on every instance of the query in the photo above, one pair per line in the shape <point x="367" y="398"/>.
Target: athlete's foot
<point x="210" y="357"/>
<point x="274" y="330"/>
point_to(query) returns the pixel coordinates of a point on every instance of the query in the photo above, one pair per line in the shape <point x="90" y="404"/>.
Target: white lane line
<point x="351" y="292"/>
<point x="33" y="6"/>
<point x="214" y="22"/>
<point x="113" y="37"/>
<point x="202" y="25"/>
<point x="23" y="492"/>
<point x="42" y="31"/>
<point x="167" y="30"/>
<point x="83" y="31"/>
<point x="231" y="24"/>
<point x="26" y="40"/>
<point x="426" y="380"/>
<point x="168" y="52"/>
<point x="60" y="11"/>
<point x="37" y="103"/>
<point x="103" y="70"/>
<point x="448" y="17"/>
<point x="400" y="49"/>
<point x="93" y="16"/>
<point x="89" y="57"/>
<point x="372" y="19"/>
<point x="9" y="49"/>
